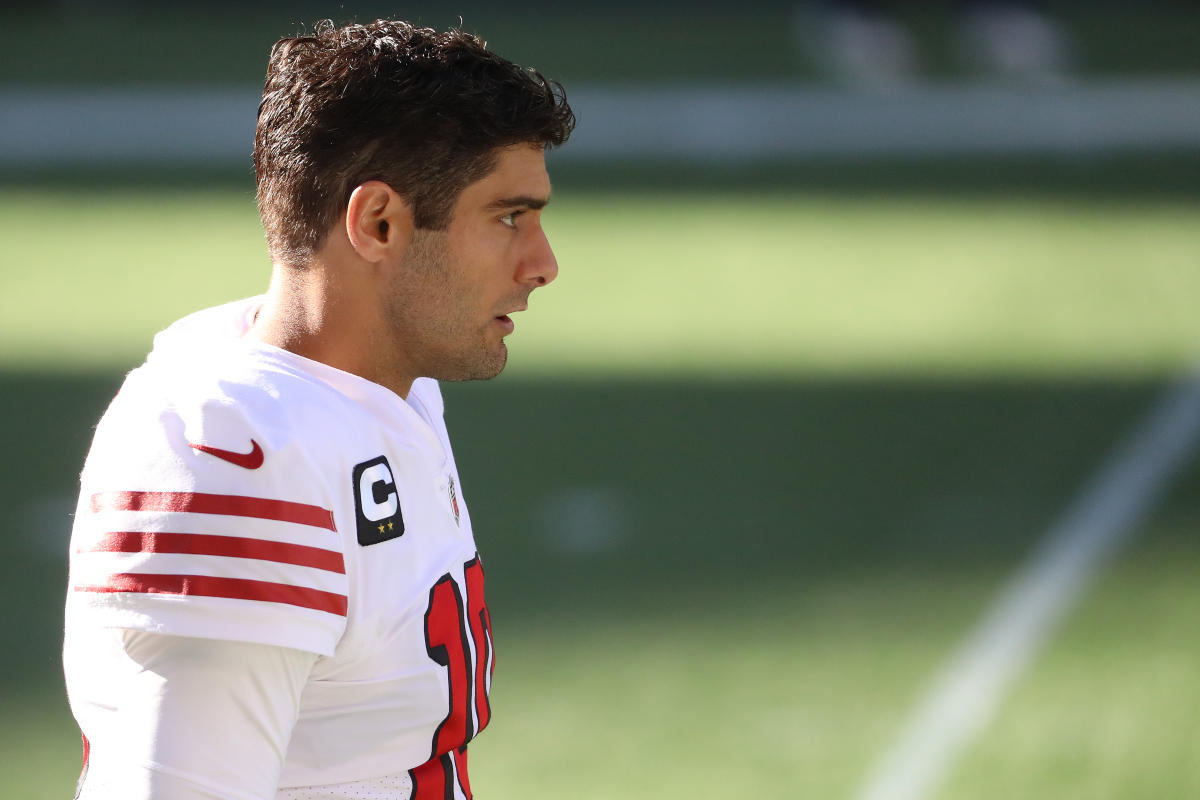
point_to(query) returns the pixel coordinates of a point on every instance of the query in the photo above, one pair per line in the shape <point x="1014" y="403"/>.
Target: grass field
<point x="776" y="283"/>
<point x="766" y="458"/>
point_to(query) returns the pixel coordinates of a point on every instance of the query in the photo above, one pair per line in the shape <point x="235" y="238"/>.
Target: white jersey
<point x="238" y="492"/>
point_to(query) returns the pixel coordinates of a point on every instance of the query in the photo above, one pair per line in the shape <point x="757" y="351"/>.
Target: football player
<point x="275" y="590"/>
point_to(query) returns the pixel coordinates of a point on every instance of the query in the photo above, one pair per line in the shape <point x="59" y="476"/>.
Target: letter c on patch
<point x="376" y="502"/>
<point x="377" y="488"/>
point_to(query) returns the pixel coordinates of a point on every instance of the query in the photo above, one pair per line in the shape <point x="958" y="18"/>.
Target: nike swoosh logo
<point x="251" y="460"/>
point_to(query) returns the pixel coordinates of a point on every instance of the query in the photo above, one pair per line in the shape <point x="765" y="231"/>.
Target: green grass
<point x="1112" y="709"/>
<point x="760" y="461"/>
<point x="892" y="284"/>
<point x="652" y="282"/>
<point x="779" y="693"/>
<point x="90" y="275"/>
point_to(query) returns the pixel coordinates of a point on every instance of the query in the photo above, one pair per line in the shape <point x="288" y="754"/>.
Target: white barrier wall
<point x="730" y="123"/>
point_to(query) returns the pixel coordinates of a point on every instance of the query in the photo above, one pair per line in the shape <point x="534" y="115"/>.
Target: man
<point x="275" y="590"/>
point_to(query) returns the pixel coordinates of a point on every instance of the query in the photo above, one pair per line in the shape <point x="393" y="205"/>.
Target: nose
<point x="539" y="267"/>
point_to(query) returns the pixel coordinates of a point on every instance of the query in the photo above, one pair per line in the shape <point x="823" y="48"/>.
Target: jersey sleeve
<point x="206" y="517"/>
<point x="180" y="717"/>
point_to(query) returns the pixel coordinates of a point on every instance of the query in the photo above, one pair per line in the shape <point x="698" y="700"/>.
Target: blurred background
<point x="861" y="305"/>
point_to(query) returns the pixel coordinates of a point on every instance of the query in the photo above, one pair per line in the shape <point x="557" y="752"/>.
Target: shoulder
<point x="206" y="509"/>
<point x="187" y="422"/>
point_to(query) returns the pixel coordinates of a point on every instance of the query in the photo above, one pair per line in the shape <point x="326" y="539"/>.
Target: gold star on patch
<point x="381" y="527"/>
<point x="391" y="525"/>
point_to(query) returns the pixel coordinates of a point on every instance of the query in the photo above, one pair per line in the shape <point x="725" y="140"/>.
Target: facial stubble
<point x="436" y="321"/>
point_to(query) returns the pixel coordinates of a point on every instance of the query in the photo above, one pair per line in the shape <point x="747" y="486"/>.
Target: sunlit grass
<point x="713" y="284"/>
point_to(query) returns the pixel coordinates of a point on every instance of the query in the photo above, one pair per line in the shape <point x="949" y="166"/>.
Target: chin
<point x="495" y="364"/>
<point x="483" y="368"/>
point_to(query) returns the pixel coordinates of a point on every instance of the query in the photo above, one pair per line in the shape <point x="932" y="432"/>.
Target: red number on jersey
<point x="458" y="636"/>
<point x="481" y="634"/>
<point x="434" y="780"/>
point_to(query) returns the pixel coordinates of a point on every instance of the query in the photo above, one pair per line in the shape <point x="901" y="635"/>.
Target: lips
<point x="506" y="320"/>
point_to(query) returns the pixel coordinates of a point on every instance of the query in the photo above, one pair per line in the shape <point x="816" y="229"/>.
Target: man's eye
<point x="510" y="219"/>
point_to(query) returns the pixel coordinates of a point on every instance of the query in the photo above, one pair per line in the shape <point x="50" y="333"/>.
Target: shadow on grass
<point x="605" y="498"/>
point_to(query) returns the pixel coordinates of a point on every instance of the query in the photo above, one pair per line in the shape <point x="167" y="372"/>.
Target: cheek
<point x="468" y="290"/>
<point x="489" y="276"/>
<point x="481" y="274"/>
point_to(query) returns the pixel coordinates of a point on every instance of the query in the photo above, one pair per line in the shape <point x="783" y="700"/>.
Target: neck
<point x="311" y="315"/>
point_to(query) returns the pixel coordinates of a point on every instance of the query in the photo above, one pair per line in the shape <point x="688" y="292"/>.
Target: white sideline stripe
<point x="1106" y="514"/>
<point x="689" y="123"/>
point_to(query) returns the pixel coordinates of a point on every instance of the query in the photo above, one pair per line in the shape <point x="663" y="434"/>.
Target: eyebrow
<point x="517" y="201"/>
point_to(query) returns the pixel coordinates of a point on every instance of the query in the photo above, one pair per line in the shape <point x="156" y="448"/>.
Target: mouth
<point x="506" y="321"/>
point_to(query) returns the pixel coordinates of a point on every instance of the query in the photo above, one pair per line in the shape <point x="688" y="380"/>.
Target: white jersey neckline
<point x="201" y="333"/>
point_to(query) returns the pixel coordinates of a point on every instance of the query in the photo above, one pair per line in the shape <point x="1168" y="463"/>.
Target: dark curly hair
<point x="421" y="110"/>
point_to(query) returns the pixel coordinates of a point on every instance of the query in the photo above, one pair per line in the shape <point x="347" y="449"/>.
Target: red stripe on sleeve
<point x="224" y="504"/>
<point x="235" y="588"/>
<point x="198" y="544"/>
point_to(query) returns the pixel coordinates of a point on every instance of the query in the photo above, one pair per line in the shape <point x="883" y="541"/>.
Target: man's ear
<point x="379" y="223"/>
